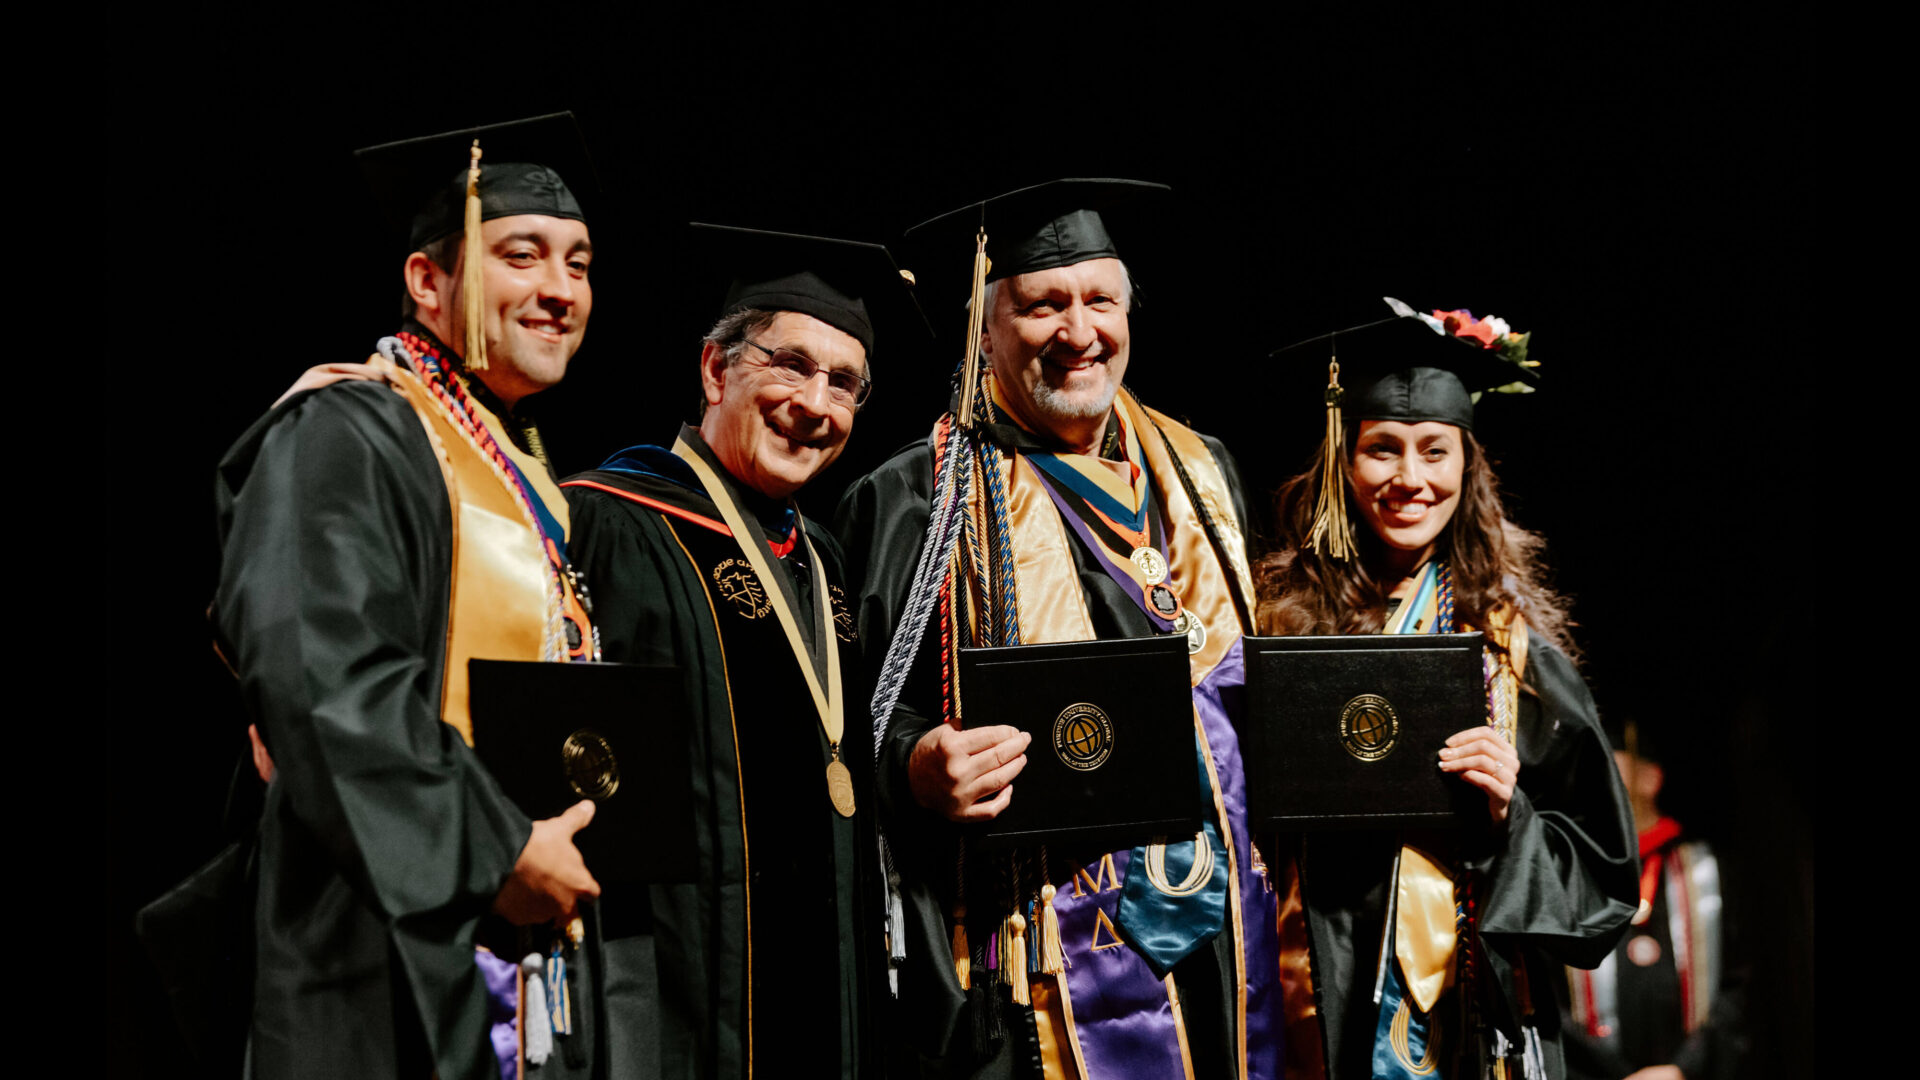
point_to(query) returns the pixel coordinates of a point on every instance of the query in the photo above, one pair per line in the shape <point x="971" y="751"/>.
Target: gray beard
<point x="1051" y="402"/>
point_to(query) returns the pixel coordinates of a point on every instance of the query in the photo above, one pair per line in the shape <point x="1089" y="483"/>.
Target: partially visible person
<point x="1668" y="1002"/>
<point x="1429" y="953"/>
<point x="382" y="524"/>
<point x="701" y="560"/>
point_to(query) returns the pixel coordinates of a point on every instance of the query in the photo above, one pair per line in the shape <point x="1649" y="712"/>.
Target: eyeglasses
<point x="844" y="388"/>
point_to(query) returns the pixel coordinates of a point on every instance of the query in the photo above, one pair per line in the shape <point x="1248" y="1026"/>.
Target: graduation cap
<point x="848" y="285"/>
<point x="527" y="167"/>
<point x="436" y="185"/>
<point x="1041" y="227"/>
<point x="1412" y="367"/>
<point x="1048" y="225"/>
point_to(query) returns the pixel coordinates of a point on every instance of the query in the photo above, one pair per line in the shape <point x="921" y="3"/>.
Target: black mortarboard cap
<point x="1048" y="225"/>
<point x="531" y="166"/>
<point x="1411" y="368"/>
<point x="847" y="284"/>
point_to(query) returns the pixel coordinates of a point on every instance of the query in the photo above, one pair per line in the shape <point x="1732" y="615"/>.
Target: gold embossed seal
<point x="1083" y="736"/>
<point x="1369" y="728"/>
<point x="592" y="771"/>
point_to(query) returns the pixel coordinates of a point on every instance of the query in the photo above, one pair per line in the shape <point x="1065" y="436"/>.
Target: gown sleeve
<point x="335" y="562"/>
<point x="1566" y="878"/>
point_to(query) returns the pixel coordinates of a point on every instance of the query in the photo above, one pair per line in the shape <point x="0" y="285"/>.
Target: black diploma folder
<point x="1346" y="731"/>
<point x="552" y="734"/>
<point x="1113" y="759"/>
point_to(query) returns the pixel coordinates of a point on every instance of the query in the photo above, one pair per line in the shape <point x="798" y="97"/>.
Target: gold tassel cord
<point x="970" y="368"/>
<point x="1013" y="958"/>
<point x="1053" y="959"/>
<point x="1330" y="512"/>
<point x="962" y="952"/>
<point x="472" y="287"/>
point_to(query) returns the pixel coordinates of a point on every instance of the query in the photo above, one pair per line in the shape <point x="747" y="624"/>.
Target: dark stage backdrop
<point x="1617" y="187"/>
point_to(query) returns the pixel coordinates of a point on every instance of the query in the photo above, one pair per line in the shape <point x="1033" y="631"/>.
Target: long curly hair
<point x="1494" y="562"/>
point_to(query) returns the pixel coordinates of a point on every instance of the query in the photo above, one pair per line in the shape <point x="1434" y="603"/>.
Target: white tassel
<point x="539" y="1033"/>
<point x="896" y="933"/>
<point x="1534" y="1057"/>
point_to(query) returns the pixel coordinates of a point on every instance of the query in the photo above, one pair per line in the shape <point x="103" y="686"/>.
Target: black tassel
<point x="988" y="1031"/>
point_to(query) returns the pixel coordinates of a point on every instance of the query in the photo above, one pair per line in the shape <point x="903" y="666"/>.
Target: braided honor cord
<point x="952" y="483"/>
<point x="953" y="471"/>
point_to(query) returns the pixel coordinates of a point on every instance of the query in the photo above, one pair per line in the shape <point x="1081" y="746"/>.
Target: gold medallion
<point x="1153" y="568"/>
<point x="840" y="787"/>
<point x="1369" y="728"/>
<point x="591" y="769"/>
<point x="1083" y="736"/>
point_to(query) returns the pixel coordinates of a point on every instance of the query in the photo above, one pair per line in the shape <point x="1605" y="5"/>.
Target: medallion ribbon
<point x="828" y="700"/>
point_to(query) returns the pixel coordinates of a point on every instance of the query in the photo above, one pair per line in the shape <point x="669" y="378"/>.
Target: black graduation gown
<point x="882" y="522"/>
<point x="1651" y="1021"/>
<point x="776" y="925"/>
<point x="383" y="840"/>
<point x="1557" y="882"/>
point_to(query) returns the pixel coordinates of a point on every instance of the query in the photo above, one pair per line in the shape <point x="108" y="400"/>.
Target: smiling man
<point x="1092" y="517"/>
<point x="700" y="560"/>
<point x="379" y="526"/>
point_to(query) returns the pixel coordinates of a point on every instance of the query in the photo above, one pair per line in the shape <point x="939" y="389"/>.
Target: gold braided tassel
<point x="970" y="366"/>
<point x="472" y="284"/>
<point x="1053" y="960"/>
<point x="1013" y="958"/>
<point x="962" y="952"/>
<point x="1330" y="512"/>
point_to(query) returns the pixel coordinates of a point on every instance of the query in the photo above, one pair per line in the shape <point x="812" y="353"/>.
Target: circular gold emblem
<point x="591" y="770"/>
<point x="1369" y="729"/>
<point x="737" y="584"/>
<point x="1083" y="736"/>
<point x="1153" y="568"/>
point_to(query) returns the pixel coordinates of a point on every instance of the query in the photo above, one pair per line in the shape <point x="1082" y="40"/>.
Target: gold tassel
<point x="970" y="368"/>
<point x="472" y="284"/>
<point x="1330" y="512"/>
<point x="962" y="952"/>
<point x="1053" y="960"/>
<point x="1013" y="958"/>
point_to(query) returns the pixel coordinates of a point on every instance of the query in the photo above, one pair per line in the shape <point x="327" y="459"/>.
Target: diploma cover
<point x="1346" y="731"/>
<point x="1112" y="759"/>
<point x="552" y="734"/>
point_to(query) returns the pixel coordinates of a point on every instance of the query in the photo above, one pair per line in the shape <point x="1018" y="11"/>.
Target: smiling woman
<point x="1381" y="933"/>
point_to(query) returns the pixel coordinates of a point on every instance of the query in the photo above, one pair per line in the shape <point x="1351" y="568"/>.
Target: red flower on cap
<point x="1462" y="324"/>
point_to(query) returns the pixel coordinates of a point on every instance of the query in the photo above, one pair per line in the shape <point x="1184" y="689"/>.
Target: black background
<point x="1626" y="187"/>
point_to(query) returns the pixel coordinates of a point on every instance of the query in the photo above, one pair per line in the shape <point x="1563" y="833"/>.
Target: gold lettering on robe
<point x="1105" y="869"/>
<point x="1100" y="921"/>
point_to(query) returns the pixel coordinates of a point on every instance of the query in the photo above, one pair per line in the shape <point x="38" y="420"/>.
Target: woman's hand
<point x="1481" y="757"/>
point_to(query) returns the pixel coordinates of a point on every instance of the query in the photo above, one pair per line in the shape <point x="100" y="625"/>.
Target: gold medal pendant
<point x="1153" y="568"/>
<point x="840" y="786"/>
